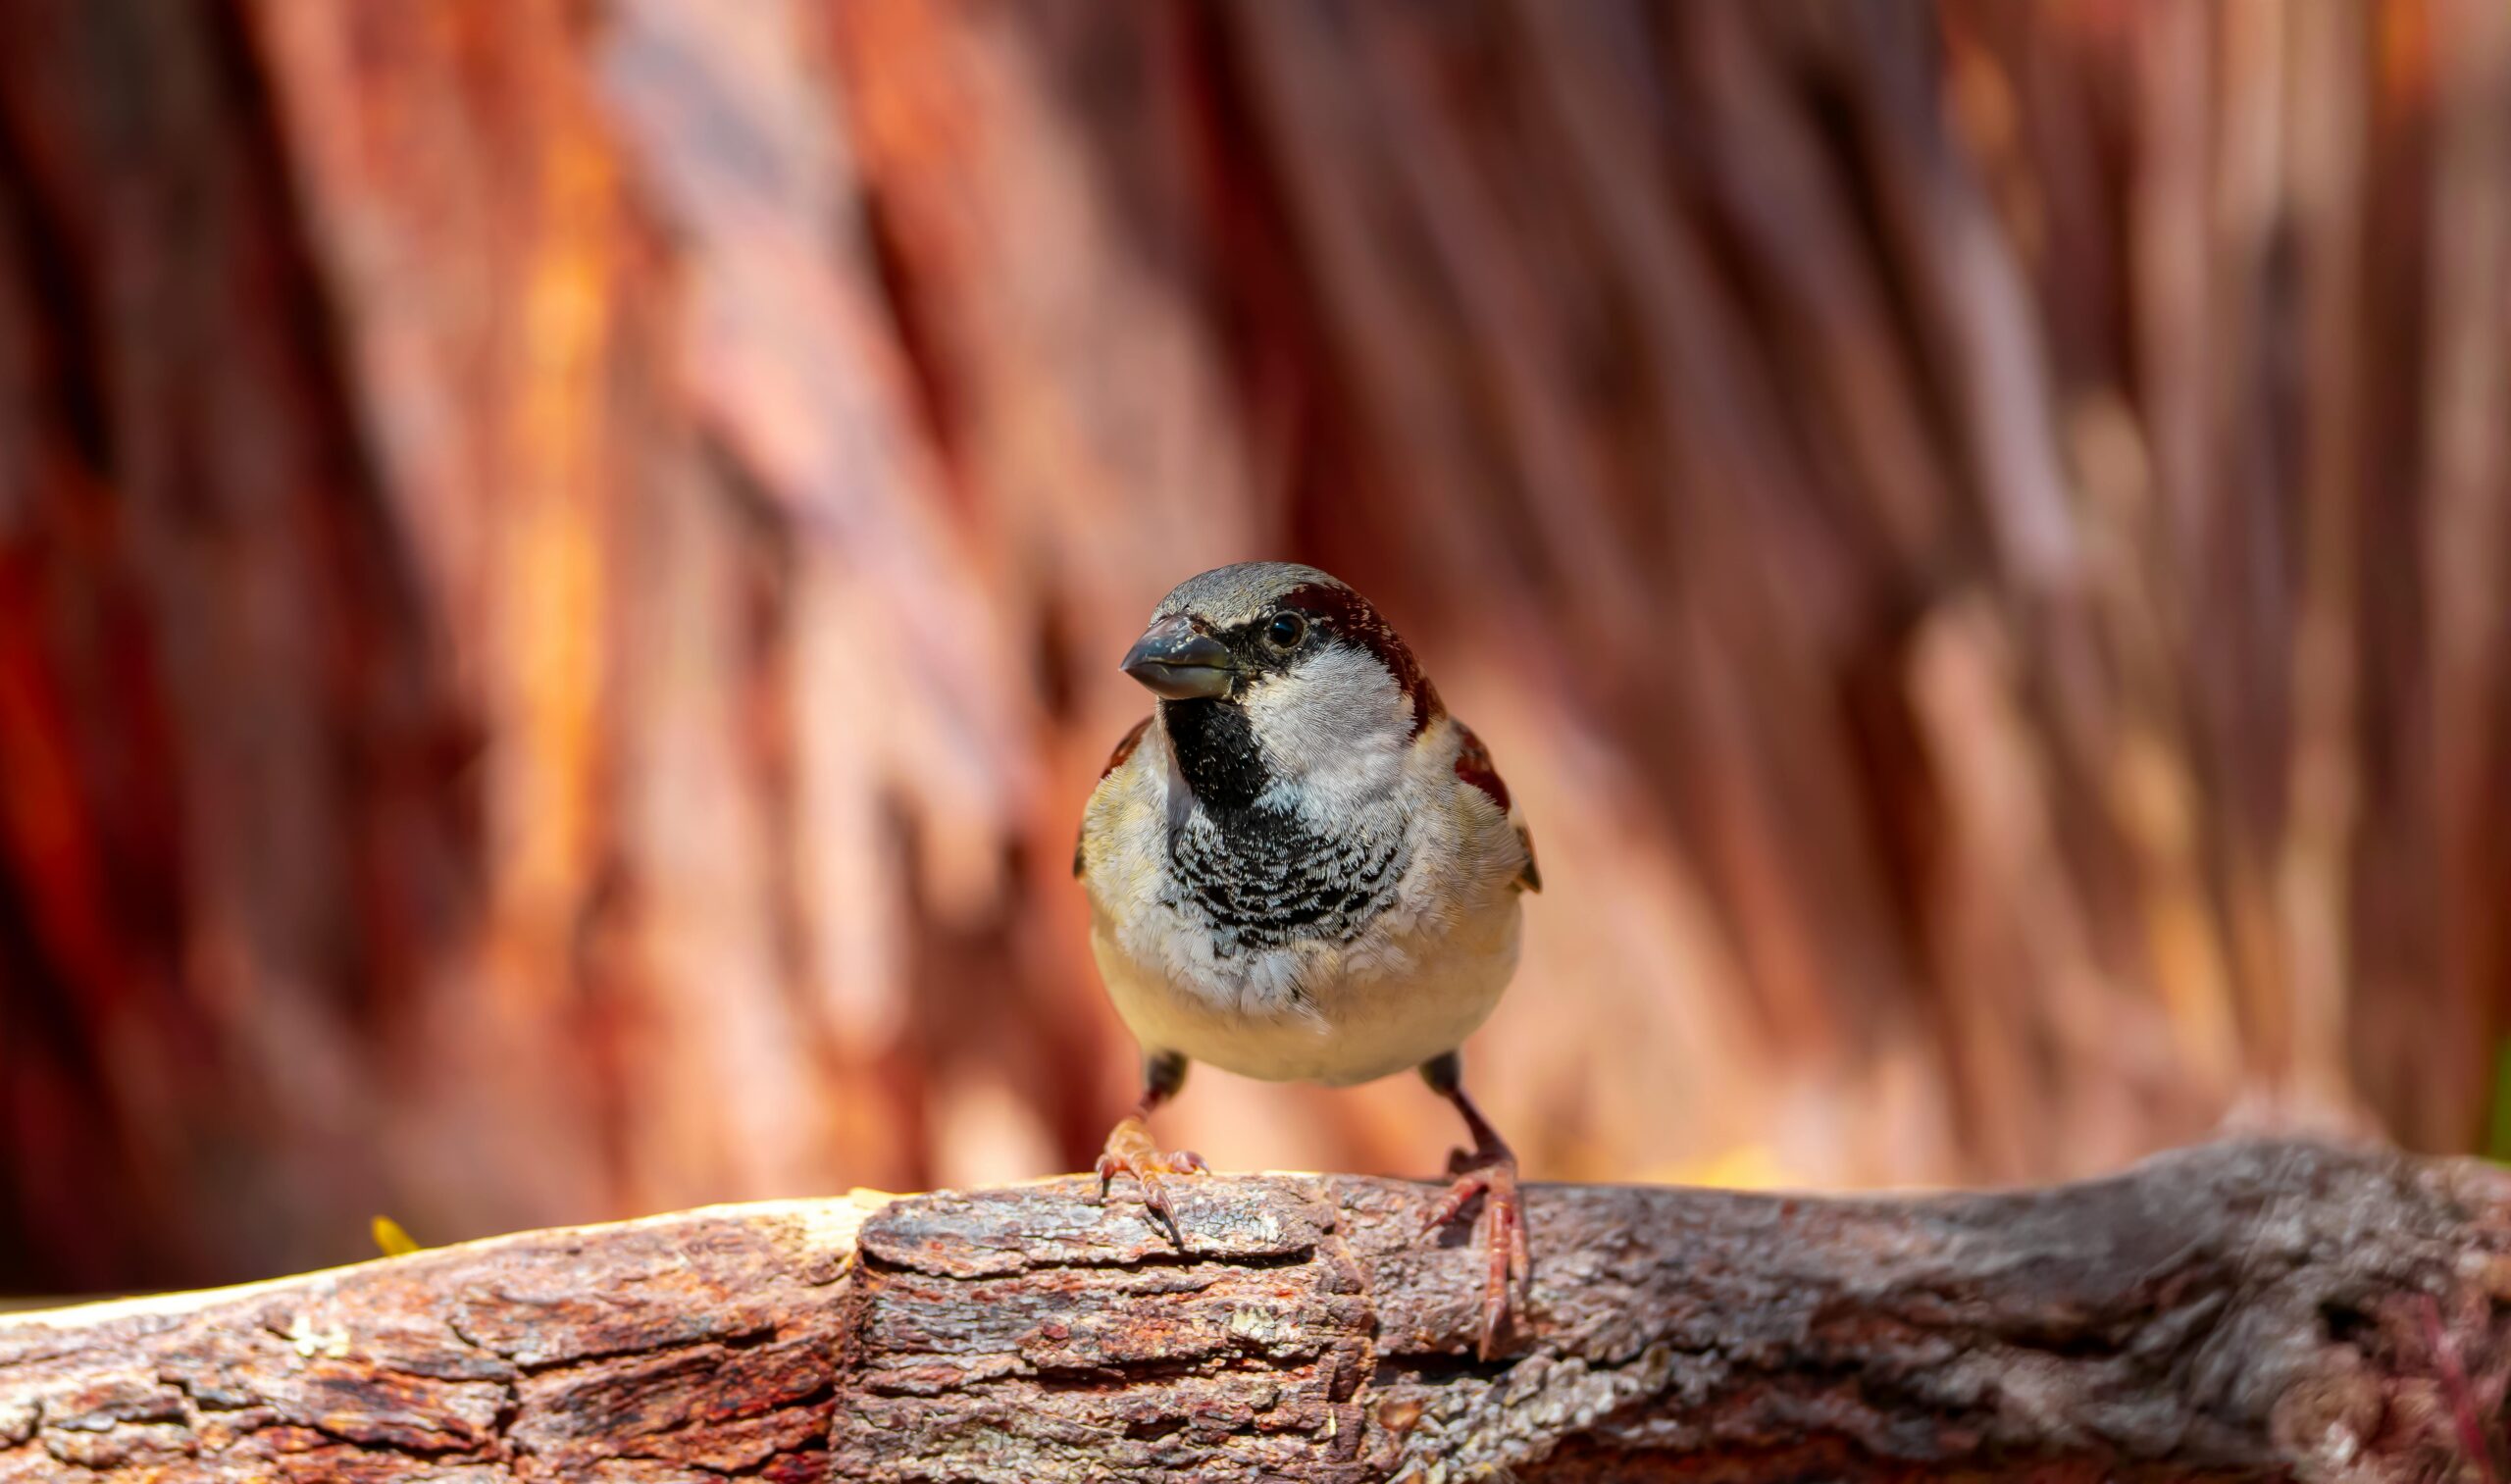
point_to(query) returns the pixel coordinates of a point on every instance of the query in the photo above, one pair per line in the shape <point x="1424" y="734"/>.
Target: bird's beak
<point x="1175" y="663"/>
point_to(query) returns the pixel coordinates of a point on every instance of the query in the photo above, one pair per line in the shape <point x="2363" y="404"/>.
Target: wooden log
<point x="2240" y="1309"/>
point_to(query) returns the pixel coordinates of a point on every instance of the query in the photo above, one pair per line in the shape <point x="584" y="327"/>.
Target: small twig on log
<point x="2239" y="1310"/>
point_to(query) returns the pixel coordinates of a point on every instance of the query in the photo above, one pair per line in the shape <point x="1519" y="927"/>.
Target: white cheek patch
<point x="1333" y="730"/>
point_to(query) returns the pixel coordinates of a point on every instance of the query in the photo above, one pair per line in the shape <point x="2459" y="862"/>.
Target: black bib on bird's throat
<point x="1257" y="874"/>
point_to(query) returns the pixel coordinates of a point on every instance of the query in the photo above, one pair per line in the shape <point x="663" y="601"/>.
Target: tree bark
<point x="1976" y="530"/>
<point x="2234" y="1310"/>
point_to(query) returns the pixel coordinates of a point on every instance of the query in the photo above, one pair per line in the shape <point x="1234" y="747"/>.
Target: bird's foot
<point x="1130" y="1151"/>
<point x="1492" y="1175"/>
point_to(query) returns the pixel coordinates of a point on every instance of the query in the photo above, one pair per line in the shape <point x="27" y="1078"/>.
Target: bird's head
<point x="1278" y="680"/>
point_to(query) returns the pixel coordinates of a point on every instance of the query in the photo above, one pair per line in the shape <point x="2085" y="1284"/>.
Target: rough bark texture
<point x="2240" y="1309"/>
<point x="1976" y="532"/>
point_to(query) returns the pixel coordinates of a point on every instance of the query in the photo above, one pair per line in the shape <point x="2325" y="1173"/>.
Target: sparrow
<point x="1301" y="868"/>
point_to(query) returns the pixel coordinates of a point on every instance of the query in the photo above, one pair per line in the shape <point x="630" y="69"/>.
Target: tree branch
<point x="2231" y="1310"/>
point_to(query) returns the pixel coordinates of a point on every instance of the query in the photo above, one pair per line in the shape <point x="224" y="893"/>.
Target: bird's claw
<point x="1130" y="1151"/>
<point x="1494" y="1177"/>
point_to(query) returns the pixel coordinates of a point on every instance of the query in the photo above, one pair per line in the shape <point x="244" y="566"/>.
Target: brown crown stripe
<point x="1342" y="612"/>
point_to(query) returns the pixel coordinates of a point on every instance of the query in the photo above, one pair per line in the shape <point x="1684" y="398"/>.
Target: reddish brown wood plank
<point x="2237" y="1310"/>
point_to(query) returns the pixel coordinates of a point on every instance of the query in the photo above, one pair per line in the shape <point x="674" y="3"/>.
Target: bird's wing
<point x="1473" y="765"/>
<point x="1124" y="748"/>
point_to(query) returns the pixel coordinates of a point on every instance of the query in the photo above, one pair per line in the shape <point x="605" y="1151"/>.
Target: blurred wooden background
<point x="561" y="566"/>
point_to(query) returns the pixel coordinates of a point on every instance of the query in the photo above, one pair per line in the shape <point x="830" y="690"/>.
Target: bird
<point x="1300" y="867"/>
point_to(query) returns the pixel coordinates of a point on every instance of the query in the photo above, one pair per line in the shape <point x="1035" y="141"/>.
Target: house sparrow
<point x="1302" y="868"/>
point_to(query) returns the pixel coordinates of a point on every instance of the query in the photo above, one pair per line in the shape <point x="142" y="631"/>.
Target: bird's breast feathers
<point x="1332" y="939"/>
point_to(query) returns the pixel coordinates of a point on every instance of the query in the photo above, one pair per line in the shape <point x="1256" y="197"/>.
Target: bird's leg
<point x="1130" y="1151"/>
<point x="1488" y="1170"/>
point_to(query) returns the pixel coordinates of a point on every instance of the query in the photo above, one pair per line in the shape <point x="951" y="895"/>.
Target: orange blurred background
<point x="562" y="568"/>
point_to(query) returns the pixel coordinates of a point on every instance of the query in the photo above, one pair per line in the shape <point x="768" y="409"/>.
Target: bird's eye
<point x="1286" y="631"/>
